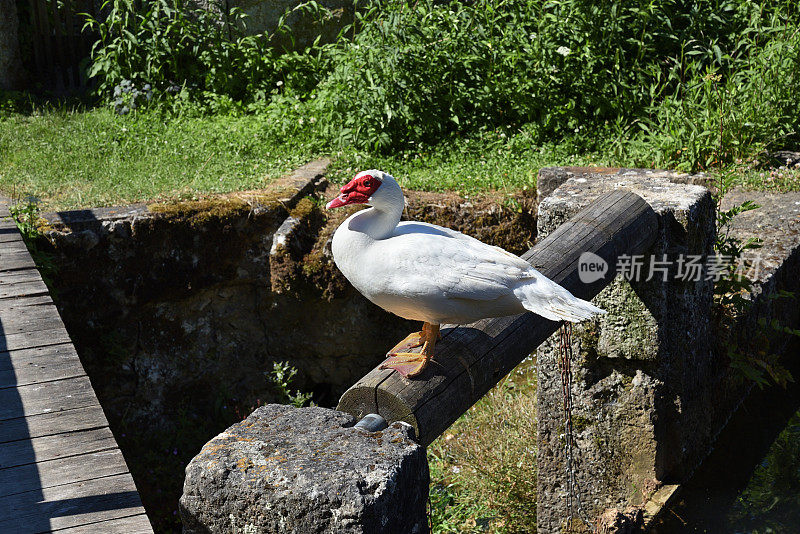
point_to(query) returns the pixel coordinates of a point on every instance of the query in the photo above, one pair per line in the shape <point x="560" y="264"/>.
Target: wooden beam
<point x="471" y="359"/>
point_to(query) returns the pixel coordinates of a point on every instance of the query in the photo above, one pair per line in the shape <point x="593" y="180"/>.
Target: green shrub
<point x="184" y="50"/>
<point x="414" y="74"/>
<point x="676" y="83"/>
<point x="714" y="116"/>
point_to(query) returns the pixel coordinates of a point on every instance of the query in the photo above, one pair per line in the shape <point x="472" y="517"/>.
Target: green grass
<point x="780" y="180"/>
<point x="490" y="161"/>
<point x="86" y="158"/>
<point x="483" y="469"/>
<point x="92" y="157"/>
<point x="73" y="159"/>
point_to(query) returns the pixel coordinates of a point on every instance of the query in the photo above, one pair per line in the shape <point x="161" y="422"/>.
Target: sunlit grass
<point x="483" y="469"/>
<point x="72" y="159"/>
<point x="87" y="158"/>
<point x="493" y="160"/>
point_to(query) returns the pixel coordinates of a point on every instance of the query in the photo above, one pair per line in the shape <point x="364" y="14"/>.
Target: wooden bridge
<point x="60" y="466"/>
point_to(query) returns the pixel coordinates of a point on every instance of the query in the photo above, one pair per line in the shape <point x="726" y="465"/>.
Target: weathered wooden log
<point x="471" y="359"/>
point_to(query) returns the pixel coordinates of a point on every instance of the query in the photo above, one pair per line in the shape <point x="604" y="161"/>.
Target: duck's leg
<point x="411" y="364"/>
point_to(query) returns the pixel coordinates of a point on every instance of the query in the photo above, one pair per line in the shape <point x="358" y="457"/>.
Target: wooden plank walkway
<point x="60" y="467"/>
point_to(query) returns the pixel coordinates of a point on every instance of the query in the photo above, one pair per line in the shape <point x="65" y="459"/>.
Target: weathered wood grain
<point x="60" y="466"/>
<point x="51" y="423"/>
<point x="14" y="359"/>
<point x="28" y="314"/>
<point x="136" y="524"/>
<point x="41" y="371"/>
<point x="8" y="233"/>
<point x="31" y="302"/>
<point x="71" y="505"/>
<point x="33" y="319"/>
<point x="22" y="289"/>
<point x="13" y="246"/>
<point x="35" y="399"/>
<point x="24" y="275"/>
<point x="15" y="261"/>
<point x="38" y="450"/>
<point x="87" y="466"/>
<point x="26" y="340"/>
<point x="471" y="359"/>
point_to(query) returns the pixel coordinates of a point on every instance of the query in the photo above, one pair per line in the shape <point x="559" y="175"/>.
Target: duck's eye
<point x="367" y="183"/>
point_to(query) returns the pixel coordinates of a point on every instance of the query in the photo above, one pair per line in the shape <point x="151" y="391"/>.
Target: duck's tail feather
<point x="544" y="297"/>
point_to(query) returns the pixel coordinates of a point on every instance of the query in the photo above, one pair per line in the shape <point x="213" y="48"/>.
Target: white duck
<point x="428" y="273"/>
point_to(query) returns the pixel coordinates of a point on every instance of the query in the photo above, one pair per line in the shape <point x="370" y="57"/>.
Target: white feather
<point x="429" y="273"/>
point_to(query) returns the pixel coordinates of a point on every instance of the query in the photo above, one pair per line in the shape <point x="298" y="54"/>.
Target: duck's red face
<point x="357" y="191"/>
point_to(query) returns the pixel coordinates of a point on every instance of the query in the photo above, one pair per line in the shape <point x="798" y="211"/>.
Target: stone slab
<point x="776" y="223"/>
<point x="299" y="470"/>
<point x="550" y="178"/>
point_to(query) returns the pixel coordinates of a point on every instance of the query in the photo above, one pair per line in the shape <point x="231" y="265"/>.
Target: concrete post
<point x="649" y="395"/>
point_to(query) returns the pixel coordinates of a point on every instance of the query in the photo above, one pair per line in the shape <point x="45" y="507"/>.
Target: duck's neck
<point x="380" y="221"/>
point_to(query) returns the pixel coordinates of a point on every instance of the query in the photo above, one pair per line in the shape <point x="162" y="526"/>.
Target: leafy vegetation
<point x="281" y="378"/>
<point x="771" y="500"/>
<point x="26" y="215"/>
<point x="483" y="469"/>
<point x="662" y="82"/>
<point x="750" y="354"/>
<point x="71" y="158"/>
<point x="455" y="95"/>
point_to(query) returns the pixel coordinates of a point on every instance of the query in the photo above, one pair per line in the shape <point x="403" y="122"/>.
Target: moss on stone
<point x="223" y="207"/>
<point x="304" y="209"/>
<point x="42" y="225"/>
<point x="269" y="197"/>
<point x="202" y="211"/>
<point x="580" y="423"/>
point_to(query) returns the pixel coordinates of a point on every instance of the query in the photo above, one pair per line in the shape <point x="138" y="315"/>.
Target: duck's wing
<point x="423" y="259"/>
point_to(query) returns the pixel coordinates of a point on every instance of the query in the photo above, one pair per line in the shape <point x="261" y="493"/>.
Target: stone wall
<point x="195" y="300"/>
<point x="179" y="310"/>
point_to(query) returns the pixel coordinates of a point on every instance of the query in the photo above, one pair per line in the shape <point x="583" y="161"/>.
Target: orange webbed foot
<point x="411" y="364"/>
<point x="411" y="341"/>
